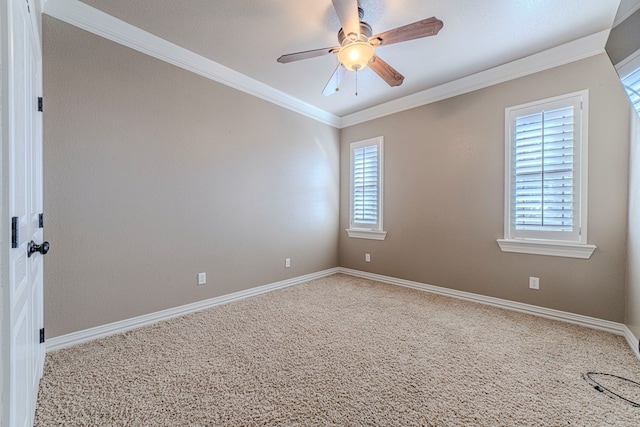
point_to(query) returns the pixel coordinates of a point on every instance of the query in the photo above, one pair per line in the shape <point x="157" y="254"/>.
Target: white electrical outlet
<point x="287" y="263"/>
<point x="202" y="278"/>
<point x="367" y="257"/>
<point x="534" y="282"/>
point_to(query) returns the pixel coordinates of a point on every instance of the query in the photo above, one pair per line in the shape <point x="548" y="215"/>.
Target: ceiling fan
<point x="357" y="45"/>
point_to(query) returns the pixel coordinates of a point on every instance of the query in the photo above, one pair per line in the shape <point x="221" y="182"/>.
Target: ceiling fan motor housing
<point x="365" y="33"/>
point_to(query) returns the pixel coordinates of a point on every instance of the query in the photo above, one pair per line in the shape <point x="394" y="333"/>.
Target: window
<point x="546" y="177"/>
<point x="629" y="71"/>
<point x="631" y="83"/>
<point x="365" y="213"/>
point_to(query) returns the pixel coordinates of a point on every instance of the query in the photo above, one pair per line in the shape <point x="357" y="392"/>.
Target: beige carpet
<point x="342" y="351"/>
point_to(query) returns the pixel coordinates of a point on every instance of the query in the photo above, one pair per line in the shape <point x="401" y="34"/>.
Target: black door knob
<point x="32" y="248"/>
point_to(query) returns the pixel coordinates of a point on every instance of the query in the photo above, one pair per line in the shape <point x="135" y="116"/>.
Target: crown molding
<point x="83" y="16"/>
<point x="560" y="55"/>
<point x="620" y="19"/>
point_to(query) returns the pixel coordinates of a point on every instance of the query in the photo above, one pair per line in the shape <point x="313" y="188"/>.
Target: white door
<point x="25" y="355"/>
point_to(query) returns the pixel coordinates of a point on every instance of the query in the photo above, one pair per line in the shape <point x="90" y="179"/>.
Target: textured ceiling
<point x="247" y="36"/>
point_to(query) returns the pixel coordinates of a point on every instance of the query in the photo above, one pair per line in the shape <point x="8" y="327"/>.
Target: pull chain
<point x="356" y="82"/>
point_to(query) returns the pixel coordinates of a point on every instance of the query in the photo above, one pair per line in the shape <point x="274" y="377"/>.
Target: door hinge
<point x="39" y="103"/>
<point x="41" y="335"/>
<point x="41" y="221"/>
<point x="14" y="232"/>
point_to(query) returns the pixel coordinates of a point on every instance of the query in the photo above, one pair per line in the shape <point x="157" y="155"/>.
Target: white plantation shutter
<point x="545" y="170"/>
<point x="366" y="184"/>
<point x="631" y="84"/>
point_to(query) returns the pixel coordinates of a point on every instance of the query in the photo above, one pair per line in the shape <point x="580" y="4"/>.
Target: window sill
<point x="366" y="234"/>
<point x="550" y="248"/>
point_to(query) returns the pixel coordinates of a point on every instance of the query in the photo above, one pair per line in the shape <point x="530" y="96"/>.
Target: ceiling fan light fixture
<point x="355" y="55"/>
<point x="356" y="45"/>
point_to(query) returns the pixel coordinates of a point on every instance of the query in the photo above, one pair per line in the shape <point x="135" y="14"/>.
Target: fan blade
<point x="290" y="57"/>
<point x="386" y="71"/>
<point x="347" y="11"/>
<point x="425" y="28"/>
<point x="334" y="82"/>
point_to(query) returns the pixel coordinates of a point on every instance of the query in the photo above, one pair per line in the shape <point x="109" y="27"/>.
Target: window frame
<point x="626" y="68"/>
<point x="363" y="230"/>
<point x="545" y="242"/>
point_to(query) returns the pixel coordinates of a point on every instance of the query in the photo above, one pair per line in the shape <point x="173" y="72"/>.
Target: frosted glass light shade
<point x="355" y="56"/>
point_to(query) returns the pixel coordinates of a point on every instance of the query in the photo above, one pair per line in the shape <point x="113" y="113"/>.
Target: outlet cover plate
<point x="534" y="282"/>
<point x="202" y="278"/>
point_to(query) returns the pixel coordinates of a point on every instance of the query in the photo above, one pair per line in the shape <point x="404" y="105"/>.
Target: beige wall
<point x="153" y="174"/>
<point x="632" y="294"/>
<point x="444" y="183"/>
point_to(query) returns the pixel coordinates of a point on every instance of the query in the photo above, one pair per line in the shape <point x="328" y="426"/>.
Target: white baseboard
<point x="578" y="319"/>
<point x="74" y="338"/>
<point x="632" y="340"/>
<point x="79" y="337"/>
